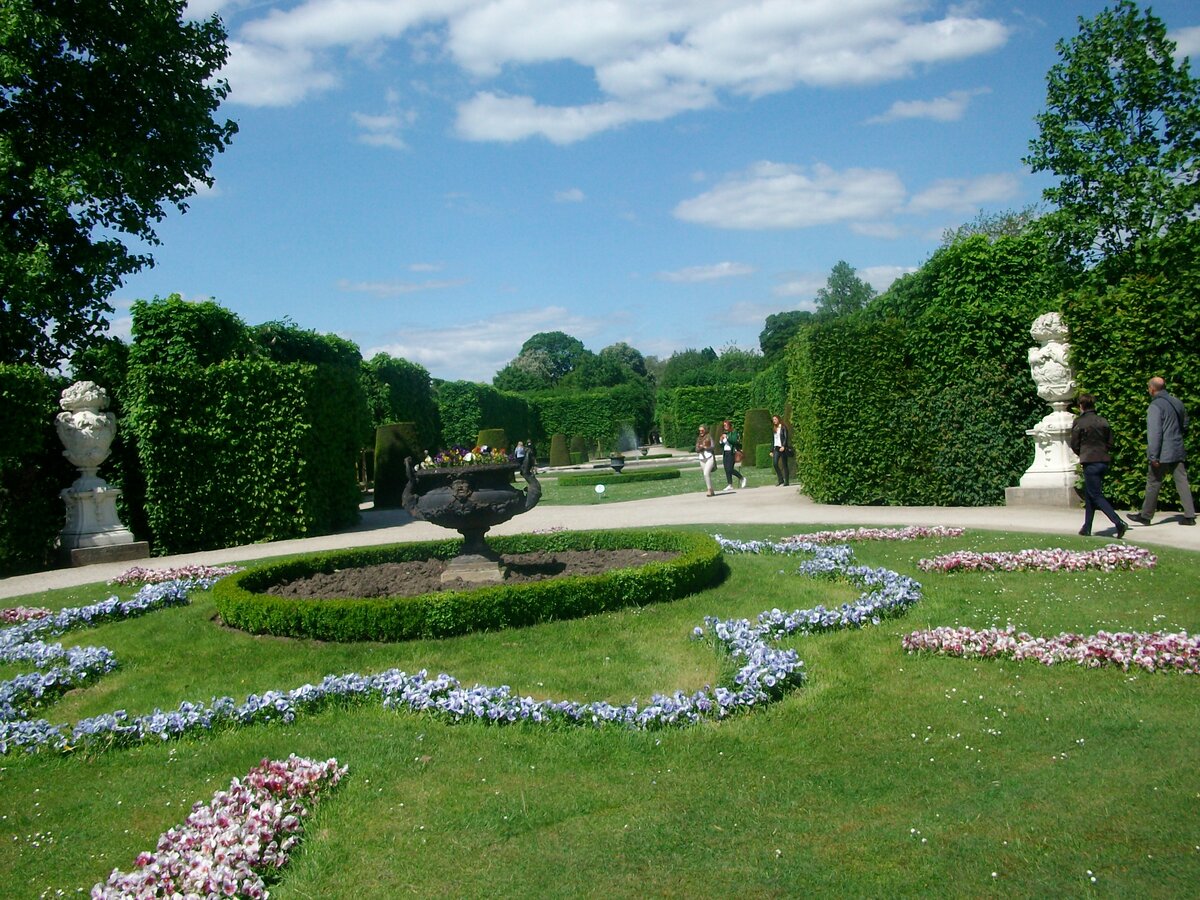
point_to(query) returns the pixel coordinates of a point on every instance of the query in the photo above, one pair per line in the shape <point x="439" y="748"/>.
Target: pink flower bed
<point x="142" y="575"/>
<point x="908" y="533"/>
<point x="15" y="615"/>
<point x="228" y="847"/>
<point x="1106" y="559"/>
<point x="1153" y="652"/>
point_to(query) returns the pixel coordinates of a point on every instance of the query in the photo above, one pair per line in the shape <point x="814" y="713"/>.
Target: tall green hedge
<point x="394" y="443"/>
<point x="596" y="416"/>
<point x="682" y="410"/>
<point x="32" y="469"/>
<point x="1122" y="335"/>
<point x="924" y="398"/>
<point x="401" y="391"/>
<point x="756" y="430"/>
<point x="560" y="455"/>
<point x="465" y="407"/>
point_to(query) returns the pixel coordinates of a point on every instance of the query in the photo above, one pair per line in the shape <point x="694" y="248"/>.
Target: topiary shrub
<point x="393" y="443"/>
<point x="494" y="438"/>
<point x="559" y="454"/>
<point x="578" y="444"/>
<point x="241" y="603"/>
<point x="756" y="430"/>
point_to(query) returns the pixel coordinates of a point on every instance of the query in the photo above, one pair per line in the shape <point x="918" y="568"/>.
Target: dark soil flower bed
<point x="411" y="579"/>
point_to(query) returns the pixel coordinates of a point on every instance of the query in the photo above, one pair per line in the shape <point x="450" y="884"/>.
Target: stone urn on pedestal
<point x="93" y="532"/>
<point x="471" y="499"/>
<point x="1050" y="480"/>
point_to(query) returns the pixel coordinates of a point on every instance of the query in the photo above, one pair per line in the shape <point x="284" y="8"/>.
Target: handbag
<point x="738" y="456"/>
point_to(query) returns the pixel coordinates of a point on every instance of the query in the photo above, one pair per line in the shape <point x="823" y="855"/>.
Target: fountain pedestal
<point x="471" y="499"/>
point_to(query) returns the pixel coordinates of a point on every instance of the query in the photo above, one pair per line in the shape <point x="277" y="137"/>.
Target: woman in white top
<point x="704" y="450"/>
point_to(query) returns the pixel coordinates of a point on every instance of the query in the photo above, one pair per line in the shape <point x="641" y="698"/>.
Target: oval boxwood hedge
<point x="614" y="478"/>
<point x="242" y="604"/>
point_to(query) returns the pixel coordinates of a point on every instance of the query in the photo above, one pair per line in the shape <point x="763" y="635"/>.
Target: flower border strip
<point x="1150" y="651"/>
<point x="142" y="575"/>
<point x="230" y="846"/>
<point x="1106" y="559"/>
<point x="908" y="533"/>
<point x="764" y="674"/>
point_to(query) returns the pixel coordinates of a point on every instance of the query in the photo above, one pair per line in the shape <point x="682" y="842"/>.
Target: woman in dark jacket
<point x="1091" y="439"/>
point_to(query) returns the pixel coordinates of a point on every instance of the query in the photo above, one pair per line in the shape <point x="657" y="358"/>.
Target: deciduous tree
<point x="106" y="118"/>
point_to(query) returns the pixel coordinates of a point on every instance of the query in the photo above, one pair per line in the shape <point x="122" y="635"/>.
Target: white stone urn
<point x="1050" y="365"/>
<point x="87" y="432"/>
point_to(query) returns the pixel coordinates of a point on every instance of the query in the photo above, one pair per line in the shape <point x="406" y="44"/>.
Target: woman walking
<point x="781" y="443"/>
<point x="729" y="448"/>
<point x="704" y="452"/>
<point x="1091" y="439"/>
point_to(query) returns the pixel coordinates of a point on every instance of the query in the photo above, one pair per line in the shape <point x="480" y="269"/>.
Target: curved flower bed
<point x="242" y="604"/>
<point x="229" y="847"/>
<point x="764" y="672"/>
<point x="1106" y="559"/>
<point x="142" y="575"/>
<point x="13" y="615"/>
<point x="1153" y="652"/>
<point x="908" y="533"/>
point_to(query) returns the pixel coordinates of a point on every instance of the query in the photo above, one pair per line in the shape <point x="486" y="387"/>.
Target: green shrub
<point x="559" y="455"/>
<point x="466" y="407"/>
<point x="756" y="430"/>
<point x="610" y="477"/>
<point x="241" y="603"/>
<point x="393" y="444"/>
<point x="596" y="415"/>
<point x="578" y="459"/>
<point x="494" y="438"/>
<point x="578" y="446"/>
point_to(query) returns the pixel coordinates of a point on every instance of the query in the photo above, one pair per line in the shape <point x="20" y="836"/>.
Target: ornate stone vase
<point x="470" y="500"/>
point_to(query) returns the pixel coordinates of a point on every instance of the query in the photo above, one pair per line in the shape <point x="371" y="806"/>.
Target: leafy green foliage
<point x="401" y="391"/>
<point x="394" y="443"/>
<point x="1121" y="335"/>
<point x="106" y="119"/>
<point x="681" y="410"/>
<point x="597" y="416"/>
<point x="924" y="398"/>
<point x="466" y="407"/>
<point x="844" y="293"/>
<point x="778" y="331"/>
<point x="757" y="431"/>
<point x="241" y="603"/>
<point x="32" y="469"/>
<point x="173" y="332"/>
<point x="1121" y="130"/>
<point x="560" y="455"/>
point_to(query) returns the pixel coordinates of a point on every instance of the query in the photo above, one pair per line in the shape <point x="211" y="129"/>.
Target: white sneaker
<point x="743" y="482"/>
<point x="727" y="489"/>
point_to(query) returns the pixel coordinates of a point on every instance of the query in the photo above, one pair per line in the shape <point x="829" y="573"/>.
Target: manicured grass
<point x="616" y="490"/>
<point x="885" y="775"/>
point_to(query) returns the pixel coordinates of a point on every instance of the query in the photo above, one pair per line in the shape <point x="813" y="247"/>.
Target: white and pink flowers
<point x="1152" y="652"/>
<point x="908" y="533"/>
<point x="142" y="575"/>
<point x="229" y="847"/>
<point x="1106" y="559"/>
<point x="15" y="615"/>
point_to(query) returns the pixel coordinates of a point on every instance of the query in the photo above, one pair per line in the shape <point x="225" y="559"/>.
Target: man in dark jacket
<point x="1092" y="440"/>
<point x="1166" y="427"/>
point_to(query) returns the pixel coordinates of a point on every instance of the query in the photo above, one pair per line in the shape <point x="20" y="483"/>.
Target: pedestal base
<point x="87" y="556"/>
<point x="1052" y="497"/>
<point x="473" y="569"/>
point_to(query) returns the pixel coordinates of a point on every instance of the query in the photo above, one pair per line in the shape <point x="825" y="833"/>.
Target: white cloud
<point x="571" y="195"/>
<point x="695" y="274"/>
<point x="881" y="277"/>
<point x="949" y="108"/>
<point x="649" y="60"/>
<point x="383" y="289"/>
<point x="478" y="349"/>
<point x="384" y="129"/>
<point x="1187" y="42"/>
<point x="804" y="284"/>
<point x="775" y="195"/>
<point x="965" y="195"/>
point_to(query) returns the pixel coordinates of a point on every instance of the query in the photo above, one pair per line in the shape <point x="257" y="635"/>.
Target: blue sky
<point x="441" y="179"/>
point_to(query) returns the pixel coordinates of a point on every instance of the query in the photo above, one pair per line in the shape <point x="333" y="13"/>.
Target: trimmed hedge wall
<point x="756" y="430"/>
<point x="393" y="444"/>
<point x="466" y="407"/>
<point x="660" y="474"/>
<point x="596" y="416"/>
<point x="682" y="410"/>
<point x="32" y="469"/>
<point x="559" y="454"/>
<point x="241" y="605"/>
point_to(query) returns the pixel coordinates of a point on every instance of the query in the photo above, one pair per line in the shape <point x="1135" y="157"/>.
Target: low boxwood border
<point x="241" y="603"/>
<point x="614" y="478"/>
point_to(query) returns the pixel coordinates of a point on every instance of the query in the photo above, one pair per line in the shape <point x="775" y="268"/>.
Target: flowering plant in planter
<point x="459" y="455"/>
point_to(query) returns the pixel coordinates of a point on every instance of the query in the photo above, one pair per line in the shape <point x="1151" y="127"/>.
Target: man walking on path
<point x="1166" y="427"/>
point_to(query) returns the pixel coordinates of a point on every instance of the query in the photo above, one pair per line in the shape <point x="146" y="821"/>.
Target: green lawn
<point x="885" y="775"/>
<point x="689" y="481"/>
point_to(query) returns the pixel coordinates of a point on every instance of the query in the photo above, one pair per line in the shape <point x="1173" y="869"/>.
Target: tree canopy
<point x="779" y="329"/>
<point x="106" y="118"/>
<point x="1120" y="132"/>
<point x="844" y="292"/>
